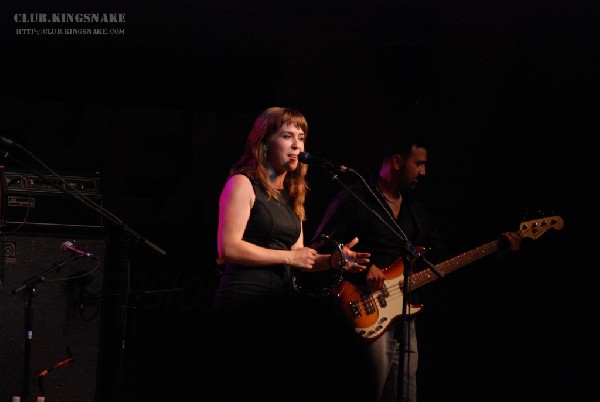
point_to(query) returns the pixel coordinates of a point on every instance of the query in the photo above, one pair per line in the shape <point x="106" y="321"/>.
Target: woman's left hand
<point x="355" y="261"/>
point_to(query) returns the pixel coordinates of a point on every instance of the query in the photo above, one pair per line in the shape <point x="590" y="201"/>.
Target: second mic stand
<point x="409" y="259"/>
<point x="30" y="285"/>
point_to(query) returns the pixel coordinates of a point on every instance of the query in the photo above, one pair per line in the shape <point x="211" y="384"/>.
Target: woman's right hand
<point x="303" y="258"/>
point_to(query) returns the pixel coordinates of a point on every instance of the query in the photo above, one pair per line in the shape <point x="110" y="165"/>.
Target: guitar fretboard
<point x="424" y="277"/>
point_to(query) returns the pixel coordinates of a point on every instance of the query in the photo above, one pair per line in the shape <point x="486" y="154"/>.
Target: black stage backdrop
<point x="158" y="101"/>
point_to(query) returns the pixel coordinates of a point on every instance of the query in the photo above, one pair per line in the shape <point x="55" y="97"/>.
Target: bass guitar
<point x="371" y="313"/>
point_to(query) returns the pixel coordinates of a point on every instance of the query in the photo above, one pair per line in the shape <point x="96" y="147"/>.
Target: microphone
<point x="69" y="247"/>
<point x="7" y="141"/>
<point x="307" y="158"/>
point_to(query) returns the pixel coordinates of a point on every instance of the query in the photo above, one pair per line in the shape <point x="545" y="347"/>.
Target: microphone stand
<point x="30" y="286"/>
<point x="410" y="249"/>
<point x="130" y="234"/>
<point x="409" y="258"/>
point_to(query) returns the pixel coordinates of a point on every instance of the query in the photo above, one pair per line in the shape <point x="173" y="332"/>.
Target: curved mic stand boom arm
<point x="65" y="188"/>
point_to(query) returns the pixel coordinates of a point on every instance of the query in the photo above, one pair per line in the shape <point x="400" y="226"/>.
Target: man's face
<point x="412" y="168"/>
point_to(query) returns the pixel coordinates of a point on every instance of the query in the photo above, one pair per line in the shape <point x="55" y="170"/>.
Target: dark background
<point x="508" y="91"/>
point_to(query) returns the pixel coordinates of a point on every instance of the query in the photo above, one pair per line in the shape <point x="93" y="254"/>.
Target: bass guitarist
<point x="391" y="195"/>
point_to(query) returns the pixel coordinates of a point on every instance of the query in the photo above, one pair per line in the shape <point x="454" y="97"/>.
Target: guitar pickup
<point x="382" y="301"/>
<point x="382" y="296"/>
<point x="367" y="301"/>
<point x="355" y="308"/>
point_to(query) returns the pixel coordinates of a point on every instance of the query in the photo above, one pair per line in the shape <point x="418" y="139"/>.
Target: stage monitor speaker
<point x="59" y="342"/>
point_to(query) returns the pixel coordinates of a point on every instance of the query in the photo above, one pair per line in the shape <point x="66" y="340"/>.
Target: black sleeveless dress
<point x="272" y="224"/>
<point x="265" y="337"/>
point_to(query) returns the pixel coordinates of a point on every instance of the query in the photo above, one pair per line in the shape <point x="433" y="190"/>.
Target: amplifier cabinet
<point x="30" y="201"/>
<point x="66" y="318"/>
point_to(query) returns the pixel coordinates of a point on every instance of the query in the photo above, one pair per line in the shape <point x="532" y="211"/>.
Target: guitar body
<point x="371" y="313"/>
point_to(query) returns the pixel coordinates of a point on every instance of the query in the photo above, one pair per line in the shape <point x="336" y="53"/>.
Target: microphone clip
<point x="307" y="158"/>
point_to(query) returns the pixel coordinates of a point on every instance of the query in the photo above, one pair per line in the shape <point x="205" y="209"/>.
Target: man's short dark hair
<point x="401" y="142"/>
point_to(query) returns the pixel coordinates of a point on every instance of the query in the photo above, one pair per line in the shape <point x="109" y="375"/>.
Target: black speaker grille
<point x="66" y="317"/>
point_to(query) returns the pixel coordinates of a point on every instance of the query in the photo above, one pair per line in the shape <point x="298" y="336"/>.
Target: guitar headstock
<point x="537" y="227"/>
